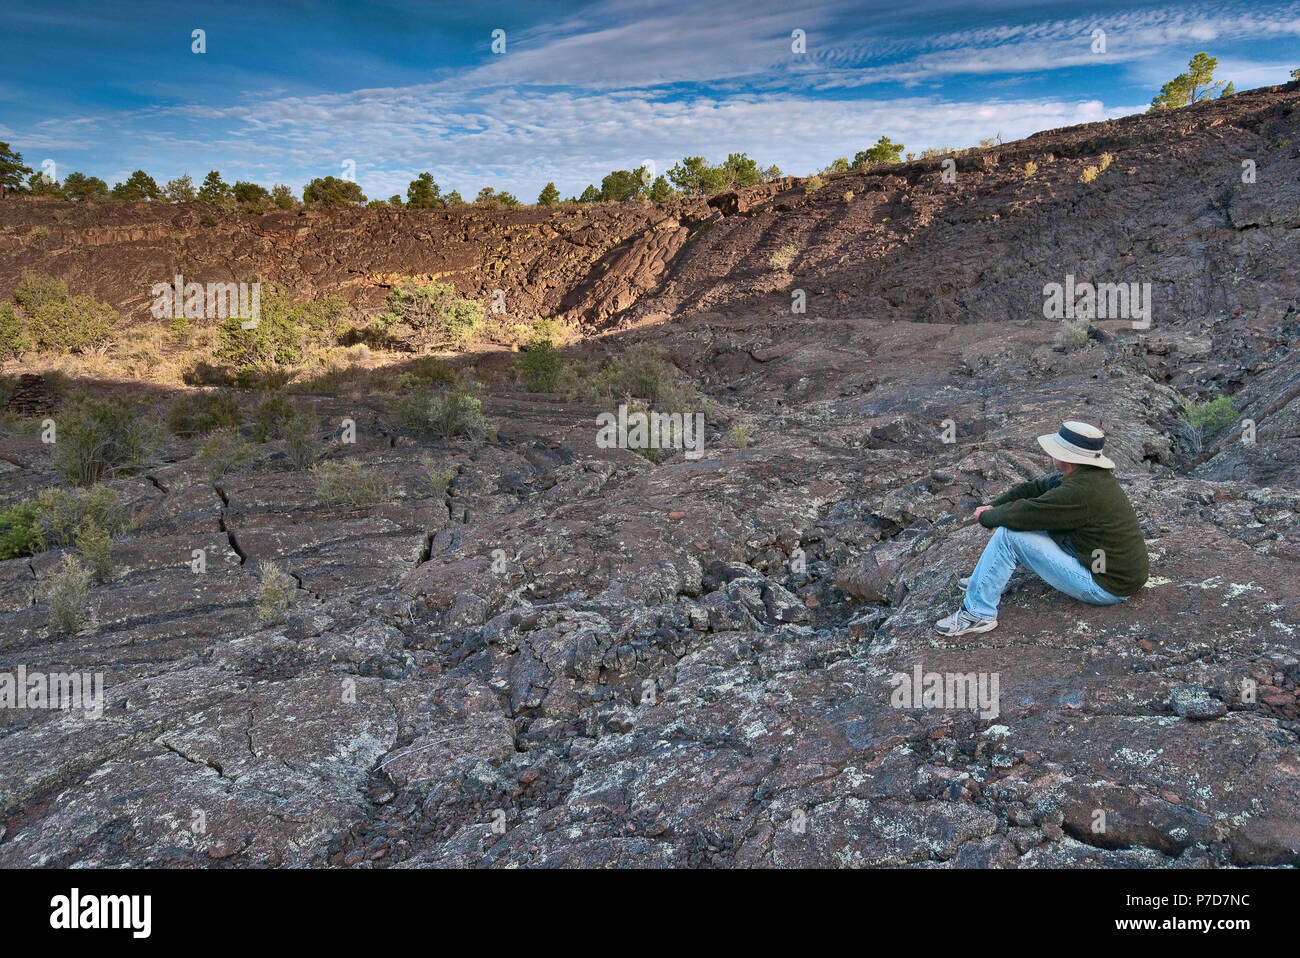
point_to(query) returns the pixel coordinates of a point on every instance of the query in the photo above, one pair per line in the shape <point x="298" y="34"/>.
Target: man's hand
<point x="981" y="509"/>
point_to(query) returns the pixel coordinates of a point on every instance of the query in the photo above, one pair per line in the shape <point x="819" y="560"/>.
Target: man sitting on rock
<point x="1076" y="530"/>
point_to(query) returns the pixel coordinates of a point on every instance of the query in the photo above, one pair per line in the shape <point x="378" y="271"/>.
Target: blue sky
<point x="288" y="91"/>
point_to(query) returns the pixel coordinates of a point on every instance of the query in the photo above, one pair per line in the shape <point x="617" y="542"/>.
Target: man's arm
<point x="1060" y="508"/>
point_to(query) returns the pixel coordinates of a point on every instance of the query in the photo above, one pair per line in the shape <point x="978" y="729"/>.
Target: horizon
<point x="395" y="89"/>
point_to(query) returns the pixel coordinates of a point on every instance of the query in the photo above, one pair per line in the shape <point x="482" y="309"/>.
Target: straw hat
<point x="1079" y="443"/>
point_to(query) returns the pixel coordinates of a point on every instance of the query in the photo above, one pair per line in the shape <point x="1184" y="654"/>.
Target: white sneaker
<point x="963" y="584"/>
<point x="962" y="622"/>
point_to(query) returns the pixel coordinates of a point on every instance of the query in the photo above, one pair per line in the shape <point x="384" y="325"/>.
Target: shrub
<point x="222" y="453"/>
<point x="284" y="332"/>
<point x="199" y="413"/>
<point x="14" y="339"/>
<point x="454" y="412"/>
<point x="35" y="289"/>
<point x="59" y="515"/>
<point x="1072" y="335"/>
<point x="426" y="371"/>
<point x="96" y="547"/>
<point x="20" y="535"/>
<point x="275" y="592"/>
<point x="438" y="475"/>
<point x="1213" y="416"/>
<point x="73" y="325"/>
<point x="1105" y="161"/>
<point x="457" y="413"/>
<point x="740" y="434"/>
<point x="68" y="594"/>
<point x="98" y="439"/>
<point x="272" y="415"/>
<point x="641" y="372"/>
<point x="1200" y="421"/>
<point x="1089" y="174"/>
<point x="812" y="184"/>
<point x="541" y="367"/>
<point x="1031" y="168"/>
<point x="848" y="196"/>
<point x="429" y="317"/>
<point x="550" y="329"/>
<point x="300" y="440"/>
<point x="784" y="258"/>
<point x="349" y="483"/>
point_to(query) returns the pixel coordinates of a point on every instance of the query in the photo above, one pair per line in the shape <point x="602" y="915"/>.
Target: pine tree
<point x="12" y="171"/>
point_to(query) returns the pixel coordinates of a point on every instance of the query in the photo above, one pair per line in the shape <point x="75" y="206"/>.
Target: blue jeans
<point x="1037" y="550"/>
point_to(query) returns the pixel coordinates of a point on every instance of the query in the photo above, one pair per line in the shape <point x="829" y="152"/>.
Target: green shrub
<point x="549" y="329"/>
<point x="223" y="452"/>
<point x="1200" y="421"/>
<point x="284" y="332"/>
<point x="199" y="413"/>
<point x="455" y="412"/>
<point x="98" y="439"/>
<point x="60" y="514"/>
<point x="439" y="476"/>
<point x="812" y="184"/>
<point x="784" y="257"/>
<point x="541" y="367"/>
<point x="429" y="317"/>
<point x="20" y="535"/>
<point x="275" y="592"/>
<point x="740" y="434"/>
<point x="73" y="325"/>
<point x="300" y="440"/>
<point x="349" y="483"/>
<point x="35" y="289"/>
<point x="640" y="372"/>
<point x="427" y="371"/>
<point x="96" y="547"/>
<point x="68" y="594"/>
<point x="1072" y="335"/>
<point x="14" y="338"/>
<point x="272" y="415"/>
<point x="1213" y="416"/>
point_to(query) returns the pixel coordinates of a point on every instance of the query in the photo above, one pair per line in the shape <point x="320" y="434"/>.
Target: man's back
<point x="1083" y="512"/>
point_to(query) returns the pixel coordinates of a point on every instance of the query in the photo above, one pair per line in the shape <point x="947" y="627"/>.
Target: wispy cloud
<point x="610" y="84"/>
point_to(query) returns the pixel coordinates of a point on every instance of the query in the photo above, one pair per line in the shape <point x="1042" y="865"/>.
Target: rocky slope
<point x="579" y="657"/>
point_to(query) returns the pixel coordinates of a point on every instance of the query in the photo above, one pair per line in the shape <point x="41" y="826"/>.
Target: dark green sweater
<point x="1082" y="511"/>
